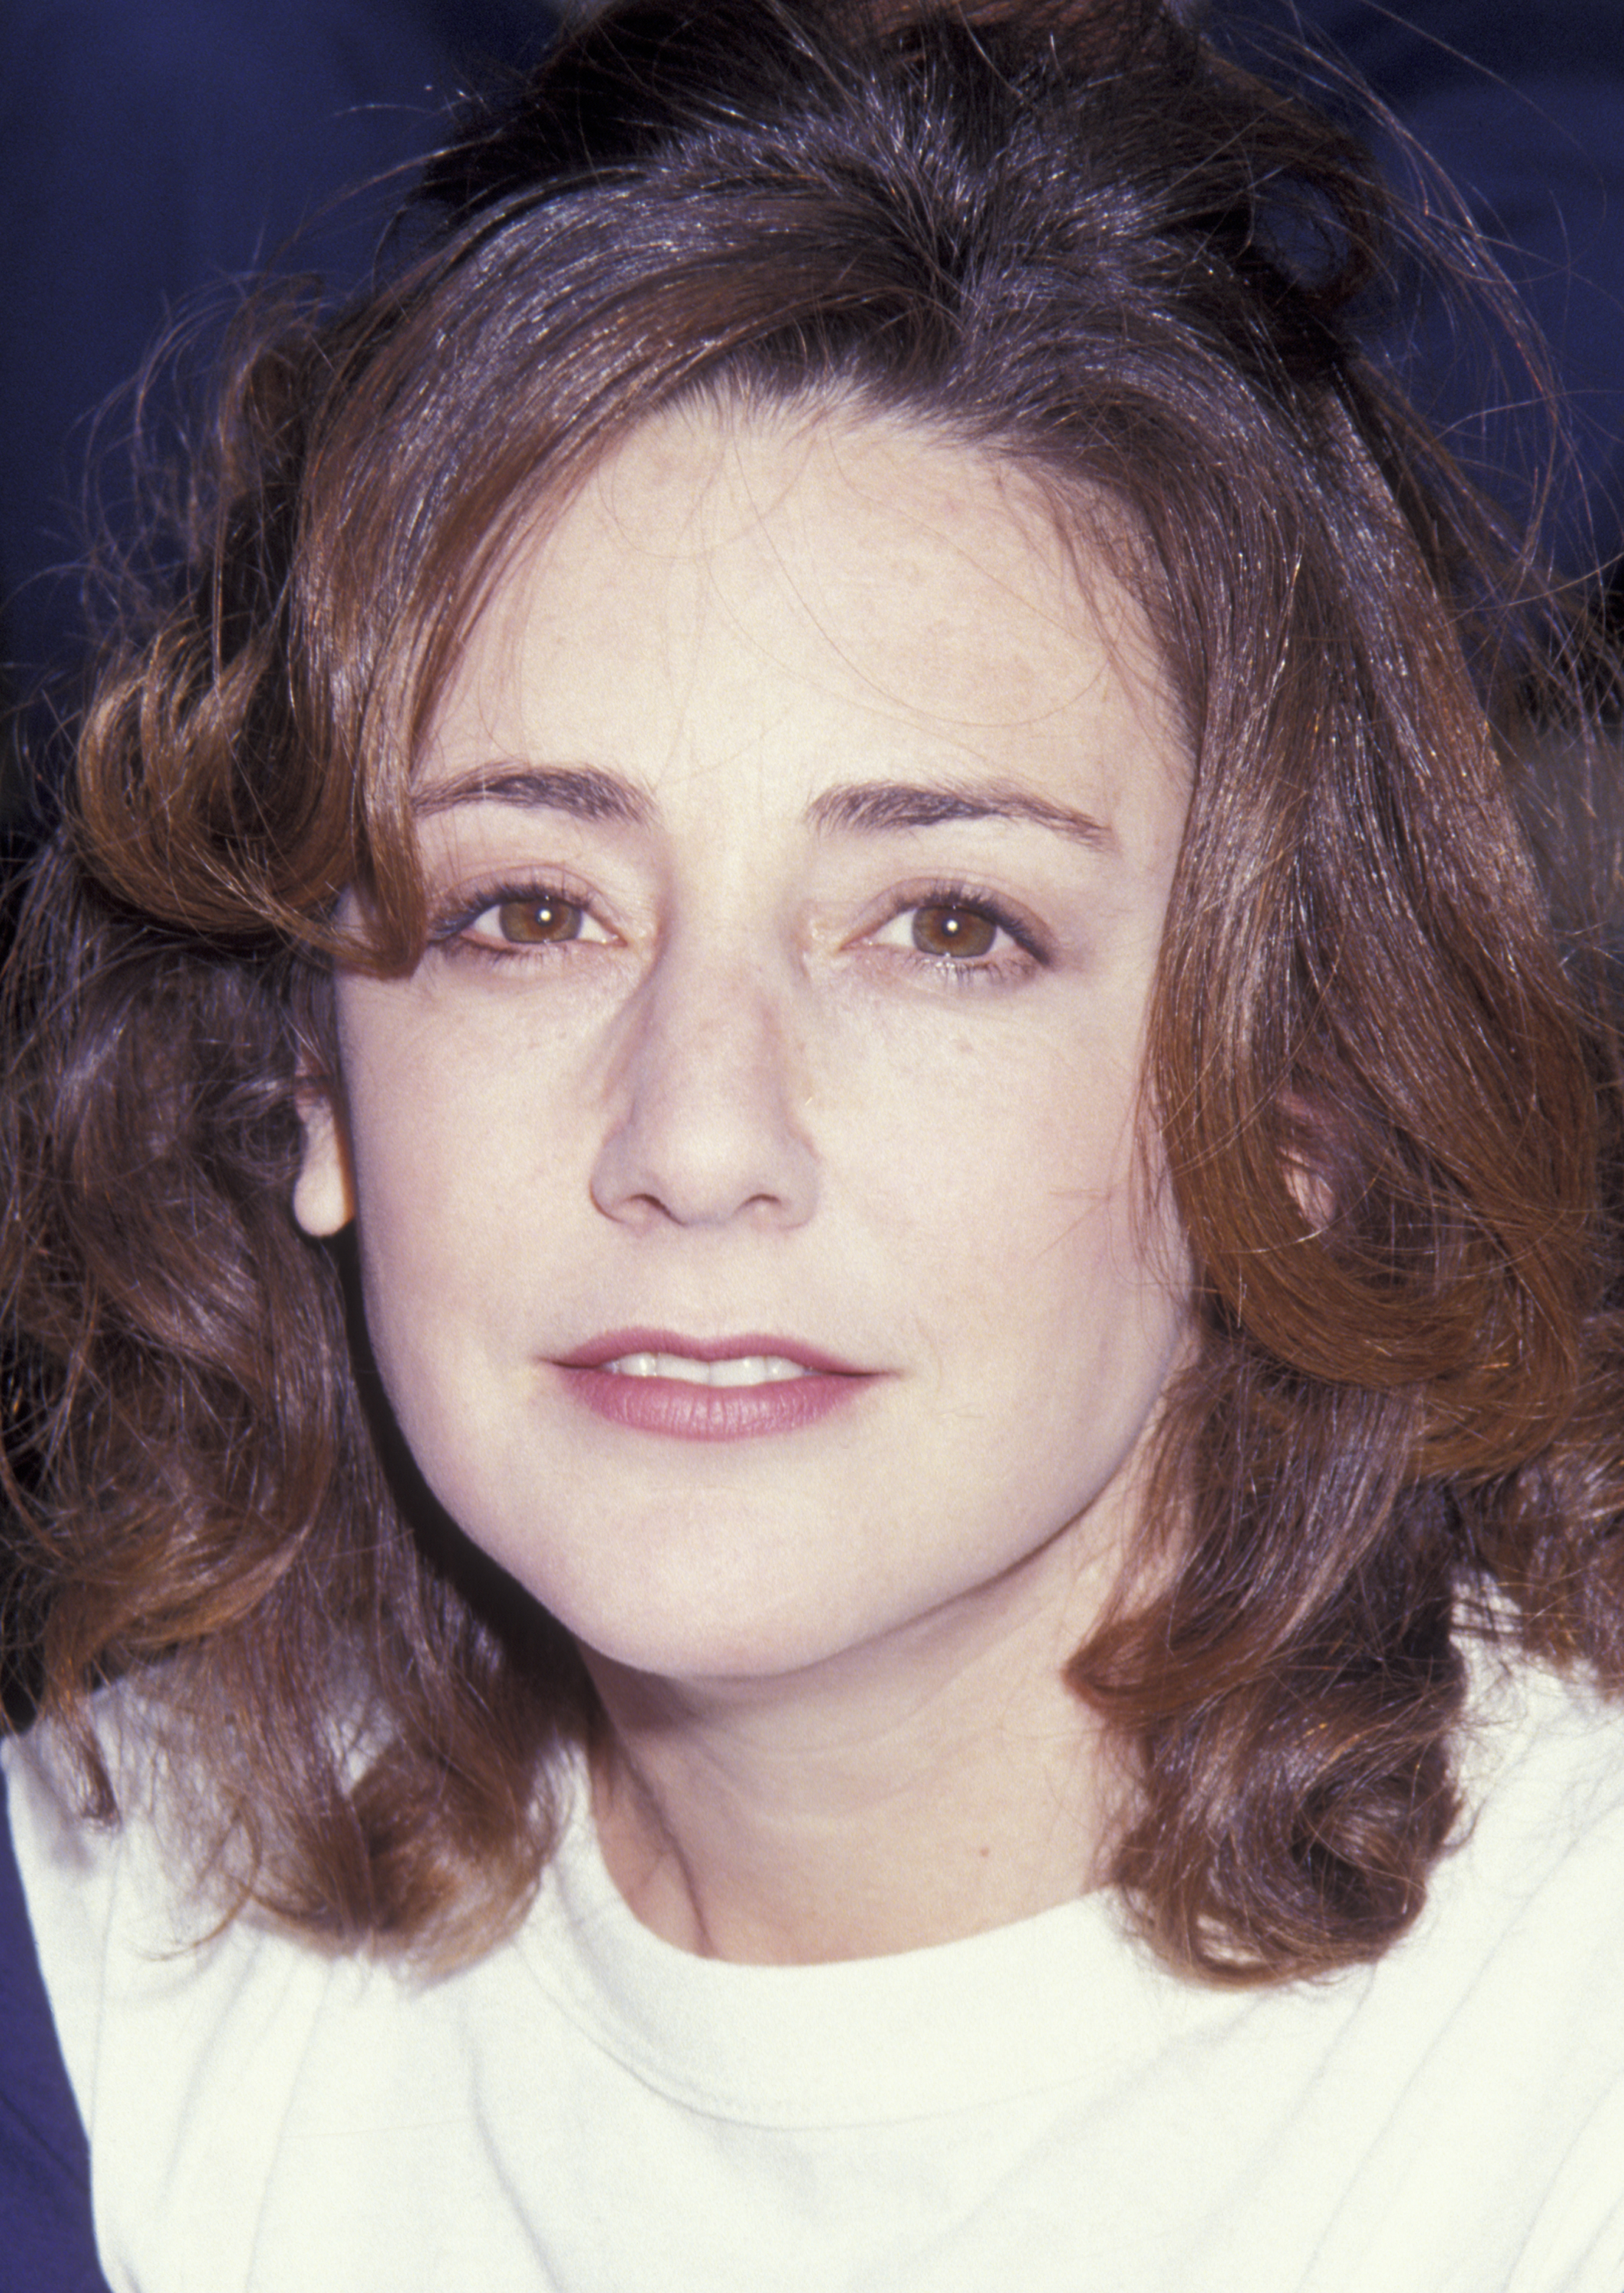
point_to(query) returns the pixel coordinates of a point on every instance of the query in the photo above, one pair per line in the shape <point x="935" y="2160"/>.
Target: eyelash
<point x="449" y="932"/>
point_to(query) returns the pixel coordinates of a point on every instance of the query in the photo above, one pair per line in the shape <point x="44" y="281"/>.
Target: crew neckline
<point x="1047" y="2001"/>
<point x="1067" y="1996"/>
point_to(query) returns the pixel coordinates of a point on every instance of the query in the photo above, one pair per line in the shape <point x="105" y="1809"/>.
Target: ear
<point x="324" y="1192"/>
<point x="1305" y="1165"/>
<point x="1311" y="1193"/>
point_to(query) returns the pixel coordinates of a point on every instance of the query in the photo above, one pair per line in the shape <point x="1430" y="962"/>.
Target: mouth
<point x="708" y="1389"/>
<point x="751" y="1359"/>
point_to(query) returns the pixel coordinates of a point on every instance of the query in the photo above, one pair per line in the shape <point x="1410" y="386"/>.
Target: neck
<point x="903" y="1794"/>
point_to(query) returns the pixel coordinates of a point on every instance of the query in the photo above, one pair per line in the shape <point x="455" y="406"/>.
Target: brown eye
<point x="534" y="922"/>
<point x="943" y="930"/>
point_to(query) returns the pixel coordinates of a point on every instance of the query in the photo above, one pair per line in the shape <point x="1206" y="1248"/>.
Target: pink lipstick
<point x="708" y="1389"/>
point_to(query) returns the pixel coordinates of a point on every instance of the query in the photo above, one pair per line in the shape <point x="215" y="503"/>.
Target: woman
<point x="824" y="1450"/>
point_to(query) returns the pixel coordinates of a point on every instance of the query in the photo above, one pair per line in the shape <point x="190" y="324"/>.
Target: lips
<point x="737" y="1387"/>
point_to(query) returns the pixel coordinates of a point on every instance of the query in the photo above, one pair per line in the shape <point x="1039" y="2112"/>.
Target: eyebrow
<point x="871" y="807"/>
<point x="577" y="789"/>
<point x="860" y="807"/>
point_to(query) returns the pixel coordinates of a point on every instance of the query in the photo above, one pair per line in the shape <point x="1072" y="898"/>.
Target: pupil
<point x="953" y="931"/>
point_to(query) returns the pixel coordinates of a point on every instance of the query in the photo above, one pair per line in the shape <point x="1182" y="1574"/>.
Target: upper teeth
<point x="743" y="1369"/>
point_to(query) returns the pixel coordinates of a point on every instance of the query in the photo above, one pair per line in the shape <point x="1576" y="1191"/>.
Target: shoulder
<point x="1542" y="1767"/>
<point x="181" y="2028"/>
<point x="1497" y="2027"/>
<point x="45" y="2166"/>
<point x="1536" y="1873"/>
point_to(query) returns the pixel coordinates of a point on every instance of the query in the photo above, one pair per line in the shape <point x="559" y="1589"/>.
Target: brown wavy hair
<point x="1064" y="233"/>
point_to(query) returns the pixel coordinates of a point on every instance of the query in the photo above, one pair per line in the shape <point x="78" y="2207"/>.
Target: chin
<point x="732" y="1642"/>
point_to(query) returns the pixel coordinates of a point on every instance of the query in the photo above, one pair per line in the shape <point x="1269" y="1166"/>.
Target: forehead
<point x="784" y="586"/>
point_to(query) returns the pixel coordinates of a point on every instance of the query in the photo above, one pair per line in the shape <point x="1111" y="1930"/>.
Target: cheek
<point x="450" y="1191"/>
<point x="1033" y="1231"/>
<point x="454" y="1124"/>
<point x="1020" y="1140"/>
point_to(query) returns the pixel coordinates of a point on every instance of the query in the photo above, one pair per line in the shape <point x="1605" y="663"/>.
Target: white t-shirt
<point x="1044" y="2108"/>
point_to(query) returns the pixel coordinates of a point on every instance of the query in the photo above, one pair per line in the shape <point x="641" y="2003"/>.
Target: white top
<point x="588" y="2110"/>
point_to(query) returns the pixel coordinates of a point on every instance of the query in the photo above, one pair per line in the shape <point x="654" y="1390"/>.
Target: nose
<point x="705" y="1125"/>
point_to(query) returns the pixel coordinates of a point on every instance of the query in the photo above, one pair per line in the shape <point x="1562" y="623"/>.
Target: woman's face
<point x="754" y="1245"/>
